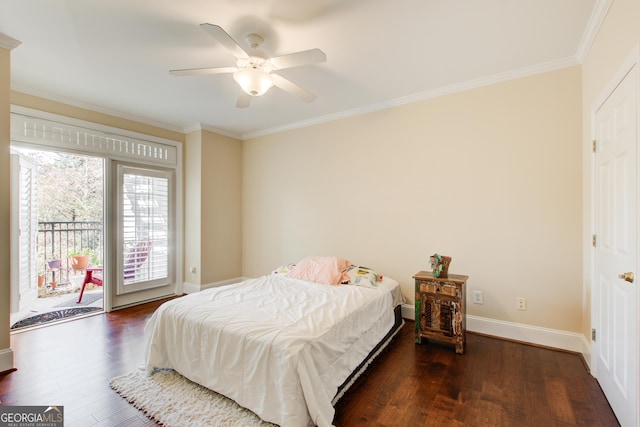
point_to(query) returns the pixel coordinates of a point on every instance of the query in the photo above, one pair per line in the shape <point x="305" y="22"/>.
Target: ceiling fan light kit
<point x="253" y="81"/>
<point x="253" y="73"/>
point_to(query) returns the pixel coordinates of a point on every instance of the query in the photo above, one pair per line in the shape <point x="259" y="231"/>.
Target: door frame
<point x="633" y="60"/>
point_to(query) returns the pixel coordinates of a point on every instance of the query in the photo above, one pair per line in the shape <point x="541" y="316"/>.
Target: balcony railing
<point x="57" y="240"/>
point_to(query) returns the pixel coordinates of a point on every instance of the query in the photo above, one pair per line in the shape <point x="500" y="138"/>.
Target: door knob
<point x="628" y="276"/>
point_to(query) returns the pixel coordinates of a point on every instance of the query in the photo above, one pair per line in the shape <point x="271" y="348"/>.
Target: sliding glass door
<point x="142" y="211"/>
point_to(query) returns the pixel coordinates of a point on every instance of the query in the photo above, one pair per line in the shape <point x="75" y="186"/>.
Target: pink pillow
<point x="328" y="270"/>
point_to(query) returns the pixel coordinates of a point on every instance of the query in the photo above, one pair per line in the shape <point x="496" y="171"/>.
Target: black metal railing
<point x="59" y="240"/>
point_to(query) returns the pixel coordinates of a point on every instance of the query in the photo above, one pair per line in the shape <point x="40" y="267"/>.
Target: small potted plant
<point x="440" y="265"/>
<point x="80" y="260"/>
<point x="41" y="278"/>
<point x="53" y="265"/>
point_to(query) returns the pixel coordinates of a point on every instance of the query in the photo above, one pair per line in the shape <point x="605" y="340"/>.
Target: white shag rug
<point x="174" y="401"/>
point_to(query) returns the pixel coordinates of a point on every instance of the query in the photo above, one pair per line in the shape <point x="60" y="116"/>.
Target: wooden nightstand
<point x="441" y="308"/>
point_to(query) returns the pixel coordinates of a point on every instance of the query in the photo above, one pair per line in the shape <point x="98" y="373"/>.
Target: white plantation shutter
<point x="145" y="222"/>
<point x="27" y="229"/>
<point x="28" y="225"/>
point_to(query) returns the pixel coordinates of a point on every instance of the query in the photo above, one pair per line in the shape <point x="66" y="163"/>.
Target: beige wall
<point x="494" y="171"/>
<point x="5" y="282"/>
<point x="615" y="42"/>
<point x="192" y="170"/>
<point x="213" y="208"/>
<point x="212" y="167"/>
<point x="490" y="176"/>
<point x="221" y="207"/>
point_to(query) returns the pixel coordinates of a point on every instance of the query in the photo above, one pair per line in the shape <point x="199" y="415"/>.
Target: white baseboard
<point x="190" y="288"/>
<point x="408" y="311"/>
<point x="570" y="341"/>
<point x="586" y="351"/>
<point x="6" y="360"/>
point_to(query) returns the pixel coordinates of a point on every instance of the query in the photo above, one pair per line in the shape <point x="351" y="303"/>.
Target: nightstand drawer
<point x="438" y="288"/>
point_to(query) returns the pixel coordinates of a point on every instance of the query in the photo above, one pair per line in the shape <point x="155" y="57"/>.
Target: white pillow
<point x="283" y="269"/>
<point x="363" y="276"/>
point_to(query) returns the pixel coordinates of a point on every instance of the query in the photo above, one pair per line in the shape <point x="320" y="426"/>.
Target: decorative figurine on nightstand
<point x="440" y="265"/>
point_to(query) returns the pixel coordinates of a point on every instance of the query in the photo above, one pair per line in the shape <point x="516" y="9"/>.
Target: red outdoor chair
<point x="135" y="259"/>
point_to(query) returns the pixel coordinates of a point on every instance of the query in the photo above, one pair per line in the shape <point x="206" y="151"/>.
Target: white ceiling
<point x="114" y="55"/>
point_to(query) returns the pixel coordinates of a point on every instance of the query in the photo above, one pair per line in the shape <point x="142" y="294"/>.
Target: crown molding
<point x="202" y="126"/>
<point x="192" y="128"/>
<point x="596" y="19"/>
<point x="92" y="107"/>
<point x="8" y="43"/>
<point x="422" y="96"/>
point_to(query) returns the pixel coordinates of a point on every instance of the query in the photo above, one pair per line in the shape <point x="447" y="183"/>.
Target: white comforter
<point x="280" y="347"/>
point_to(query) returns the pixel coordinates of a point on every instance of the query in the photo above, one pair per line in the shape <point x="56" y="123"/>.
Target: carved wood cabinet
<point x="441" y="308"/>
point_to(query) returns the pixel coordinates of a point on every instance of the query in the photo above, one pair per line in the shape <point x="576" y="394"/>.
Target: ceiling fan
<point x="254" y="73"/>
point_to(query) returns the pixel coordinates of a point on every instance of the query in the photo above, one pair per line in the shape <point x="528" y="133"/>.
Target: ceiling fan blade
<point x="224" y="39"/>
<point x="296" y="59"/>
<point x="198" y="71"/>
<point x="243" y="100"/>
<point x="292" y="88"/>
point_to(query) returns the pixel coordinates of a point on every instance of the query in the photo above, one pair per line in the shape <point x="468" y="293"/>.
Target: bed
<point x="284" y="347"/>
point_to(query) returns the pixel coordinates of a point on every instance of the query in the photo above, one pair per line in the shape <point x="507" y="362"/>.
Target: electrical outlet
<point x="521" y="303"/>
<point x="477" y="297"/>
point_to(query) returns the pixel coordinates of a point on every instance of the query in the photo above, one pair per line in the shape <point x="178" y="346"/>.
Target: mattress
<point x="278" y="346"/>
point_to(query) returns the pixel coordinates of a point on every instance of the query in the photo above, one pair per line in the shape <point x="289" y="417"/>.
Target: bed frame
<point x="351" y="379"/>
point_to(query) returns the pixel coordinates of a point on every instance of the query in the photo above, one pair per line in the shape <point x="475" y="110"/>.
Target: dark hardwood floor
<point x="495" y="383"/>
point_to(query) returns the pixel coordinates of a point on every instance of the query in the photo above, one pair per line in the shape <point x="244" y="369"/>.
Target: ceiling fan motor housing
<point x="254" y="40"/>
